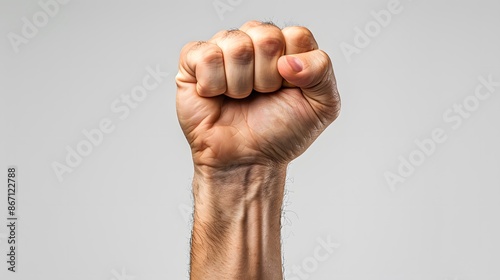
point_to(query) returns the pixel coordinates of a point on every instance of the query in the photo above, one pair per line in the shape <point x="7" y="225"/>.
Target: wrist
<point x="237" y="220"/>
<point x="240" y="183"/>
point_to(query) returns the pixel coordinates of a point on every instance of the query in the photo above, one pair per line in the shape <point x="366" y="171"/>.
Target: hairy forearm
<point x="236" y="231"/>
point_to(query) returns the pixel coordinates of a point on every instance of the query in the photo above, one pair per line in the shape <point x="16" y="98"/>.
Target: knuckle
<point x="212" y="56"/>
<point x="237" y="46"/>
<point x="267" y="40"/>
<point x="250" y="24"/>
<point x="241" y="53"/>
<point x="270" y="46"/>
<point x="268" y="24"/>
<point x="193" y="46"/>
<point x="204" y="53"/>
<point x="300" y="37"/>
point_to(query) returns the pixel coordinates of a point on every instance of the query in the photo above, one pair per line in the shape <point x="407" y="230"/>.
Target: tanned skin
<point x="249" y="101"/>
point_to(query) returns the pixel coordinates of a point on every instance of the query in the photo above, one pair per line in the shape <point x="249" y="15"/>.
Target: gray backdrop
<point x="404" y="185"/>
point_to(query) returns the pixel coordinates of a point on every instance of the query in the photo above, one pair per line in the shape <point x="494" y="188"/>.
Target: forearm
<point x="236" y="231"/>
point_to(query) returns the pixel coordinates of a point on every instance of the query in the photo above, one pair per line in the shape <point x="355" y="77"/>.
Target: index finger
<point x="298" y="40"/>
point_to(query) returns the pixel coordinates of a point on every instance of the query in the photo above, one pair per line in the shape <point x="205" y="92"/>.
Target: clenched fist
<point x="254" y="95"/>
<point x="249" y="101"/>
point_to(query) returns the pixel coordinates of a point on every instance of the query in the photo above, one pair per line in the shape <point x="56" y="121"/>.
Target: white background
<point x="123" y="211"/>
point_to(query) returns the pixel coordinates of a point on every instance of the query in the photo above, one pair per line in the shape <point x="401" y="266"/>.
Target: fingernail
<point x="294" y="63"/>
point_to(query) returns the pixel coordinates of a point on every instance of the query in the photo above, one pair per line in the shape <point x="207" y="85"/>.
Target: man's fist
<point x="256" y="95"/>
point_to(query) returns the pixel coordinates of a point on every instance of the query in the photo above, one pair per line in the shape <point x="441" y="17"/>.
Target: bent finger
<point x="203" y="63"/>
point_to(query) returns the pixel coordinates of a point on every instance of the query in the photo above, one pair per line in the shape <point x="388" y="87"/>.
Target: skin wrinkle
<point x="246" y="180"/>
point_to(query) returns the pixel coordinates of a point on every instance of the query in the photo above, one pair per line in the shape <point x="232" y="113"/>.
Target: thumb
<point x="313" y="73"/>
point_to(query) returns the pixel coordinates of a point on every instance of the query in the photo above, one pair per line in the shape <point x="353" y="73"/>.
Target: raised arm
<point x="249" y="101"/>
